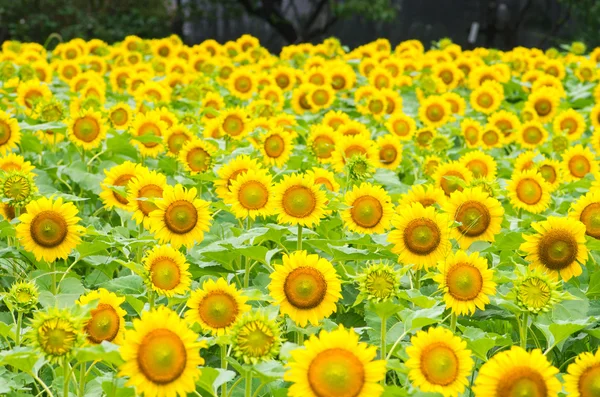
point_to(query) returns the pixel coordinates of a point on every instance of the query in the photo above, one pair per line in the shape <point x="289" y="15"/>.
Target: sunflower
<point x="298" y="200"/>
<point x="197" y="156"/>
<point x="49" y="229"/>
<point x="167" y="271"/>
<point x="353" y="146"/>
<point x="434" y="111"/>
<point x="449" y="73"/>
<point x="30" y="92"/>
<point x="557" y="248"/>
<point x="424" y="137"/>
<point x="528" y="190"/>
<point x="255" y="338"/>
<point x="107" y="318"/>
<point x="480" y="164"/>
<point x="401" y="125"/>
<point x="390" y="151"/>
<point x="306" y="287"/>
<point x="536" y="292"/>
<point x="335" y="364"/>
<point x="471" y="131"/>
<point x="324" y="178"/>
<point x="143" y="189"/>
<point x="478" y="214"/>
<point x="231" y="171"/>
<point x="14" y="162"/>
<point x="577" y="162"/>
<point x="370" y="209"/>
<point x="582" y="375"/>
<point x="551" y="171"/>
<point x="486" y="99"/>
<point x="56" y="333"/>
<point x="458" y="105"/>
<point x="87" y="130"/>
<point x="335" y="119"/>
<point x="17" y="188"/>
<point x="216" y="306"/>
<point x="507" y="122"/>
<point x="234" y="123"/>
<point x="10" y="133"/>
<point x="430" y="164"/>
<point x="587" y="210"/>
<point x="545" y="103"/>
<point x="526" y="161"/>
<point x="425" y="194"/>
<point x="120" y="116"/>
<point x="181" y="217"/>
<point x="242" y="83"/>
<point x="118" y="176"/>
<point x="420" y="236"/>
<point x="161" y="355"/>
<point x="491" y="137"/>
<point x="276" y="147"/>
<point x="570" y="122"/>
<point x="532" y="134"/>
<point x="176" y="137"/>
<point x="250" y="194"/>
<point x="448" y="175"/>
<point x="516" y="372"/>
<point x="148" y="131"/>
<point x="353" y="128"/>
<point x="378" y="282"/>
<point x="466" y="282"/>
<point x="320" y="97"/>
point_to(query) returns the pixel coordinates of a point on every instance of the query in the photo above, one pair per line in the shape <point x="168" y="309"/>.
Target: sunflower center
<point x="424" y="137"/>
<point x="274" y="146"/>
<point x="367" y="211"/>
<point x="579" y="166"/>
<point x="149" y="129"/>
<point x="104" y="324"/>
<point x="176" y="142"/>
<point x="557" y="249"/>
<point x="320" y="97"/>
<point x="376" y="106"/>
<point x="303" y="102"/>
<point x="119" y="117"/>
<point x="198" y="159"/>
<point x="149" y="192"/>
<point x="568" y="125"/>
<point x="590" y="217"/>
<point x="485" y="100"/>
<point x="305" y="288"/>
<point x="165" y="274"/>
<point x="388" y="154"/>
<point x="354" y="150"/>
<point x="17" y="187"/>
<point x="464" y="282"/>
<point x="532" y="135"/>
<point x="472" y="135"/>
<point x="474" y="218"/>
<point x="299" y="201"/>
<point x="439" y="364"/>
<point x="218" y="309"/>
<point x="86" y="129"/>
<point x="54" y="339"/>
<point x="548" y="173"/>
<point x="162" y="356"/>
<point x="543" y="107"/>
<point x="446" y="76"/>
<point x="282" y="81"/>
<point x="529" y="191"/>
<point x="338" y="82"/>
<point x="478" y="167"/>
<point x="451" y="185"/>
<point x="31" y="97"/>
<point x="336" y="373"/>
<point x="401" y="128"/>
<point x="48" y="229"/>
<point x="181" y="217"/>
<point x="243" y="84"/>
<point x="422" y="236"/>
<point x="589" y="382"/>
<point x="534" y="293"/>
<point x="123" y="180"/>
<point x="254" y="340"/>
<point x="325" y="182"/>
<point x="317" y="79"/>
<point x="233" y="125"/>
<point x="435" y="113"/>
<point x="380" y="284"/>
<point x="253" y="195"/>
<point x="522" y="382"/>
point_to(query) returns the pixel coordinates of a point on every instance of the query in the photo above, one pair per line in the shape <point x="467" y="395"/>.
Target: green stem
<point x="299" y="247"/>
<point x="82" y="373"/>
<point x="237" y="382"/>
<point x="224" y="366"/>
<point x="67" y="377"/>
<point x="53" y="273"/>
<point x="383" y="347"/>
<point x="248" y="390"/>
<point x="19" y="324"/>
<point x="151" y="298"/>
<point x="300" y="338"/>
<point x="246" y="266"/>
<point x="41" y="382"/>
<point x="418" y="279"/>
<point x="523" y="336"/>
<point x="453" y="319"/>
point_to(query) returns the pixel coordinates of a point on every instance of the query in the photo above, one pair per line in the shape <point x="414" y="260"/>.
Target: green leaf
<point x="103" y="352"/>
<point x="212" y="378"/>
<point x="24" y="359"/>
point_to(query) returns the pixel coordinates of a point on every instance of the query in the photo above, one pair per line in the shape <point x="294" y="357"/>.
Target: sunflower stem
<point x="246" y="266"/>
<point x="418" y="279"/>
<point x="300" y="338"/>
<point x="41" y="382"/>
<point x="453" y="319"/>
<point x="383" y="347"/>
<point x="151" y="299"/>
<point x="53" y="274"/>
<point x="82" y="373"/>
<point x="299" y="246"/>
<point x="248" y="390"/>
<point x="523" y="336"/>
<point x="18" y="331"/>
<point x="67" y="377"/>
<point x="224" y="366"/>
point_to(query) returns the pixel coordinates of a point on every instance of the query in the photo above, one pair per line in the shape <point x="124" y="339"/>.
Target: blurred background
<point x="502" y="24"/>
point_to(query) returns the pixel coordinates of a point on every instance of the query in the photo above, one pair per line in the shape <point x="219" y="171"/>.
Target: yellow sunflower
<point x="401" y="125"/>
<point x="430" y="164"/>
<point x="466" y="281"/>
<point x="526" y="160"/>
<point x="15" y="162"/>
<point x="532" y="134"/>
<point x="30" y="92"/>
<point x="335" y="364"/>
<point x="478" y="214"/>
<point x="439" y="362"/>
<point x="56" y="333"/>
<point x="425" y="194"/>
<point x="176" y="137"/>
<point x="420" y="236"/>
<point x="557" y="247"/>
<point x="143" y="189"/>
<point x="320" y="97"/>
<point x="351" y="146"/>
<point x="582" y="375"/>
<point x="551" y="171"/>
<point x="276" y="147"/>
<point x="390" y="151"/>
<point x="251" y="194"/>
<point x="471" y="131"/>
<point x="242" y="83"/>
<point x="161" y="355"/>
<point x="167" y="271"/>
<point x="434" y="111"/>
<point x="528" y="190"/>
<point x="181" y="217"/>
<point x="118" y="176"/>
<point x="120" y="116"/>
<point x="486" y="99"/>
<point x="197" y="156"/>
<point x="10" y="133"/>
<point x="587" y="210"/>
<point x="370" y="209"/>
<point x="107" y="319"/>
<point x="545" y="103"/>
<point x="516" y="372"/>
<point x="49" y="137"/>
<point x="87" y="130"/>
<point x="148" y="131"/>
<point x="491" y="137"/>
<point x="507" y="122"/>
<point x="298" y="200"/>
<point x="216" y="306"/>
<point x="306" y="288"/>
<point x="234" y="123"/>
<point x="480" y="164"/>
<point x="324" y="178"/>
<point x="49" y="229"/>
<point x="570" y="122"/>
<point x="577" y="162"/>
<point x="448" y="176"/>
<point x="230" y="171"/>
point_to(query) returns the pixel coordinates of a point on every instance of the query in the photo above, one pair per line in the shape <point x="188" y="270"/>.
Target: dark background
<point x="503" y="24"/>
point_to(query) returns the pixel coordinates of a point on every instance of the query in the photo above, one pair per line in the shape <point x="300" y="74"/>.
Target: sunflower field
<point x="218" y="221"/>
